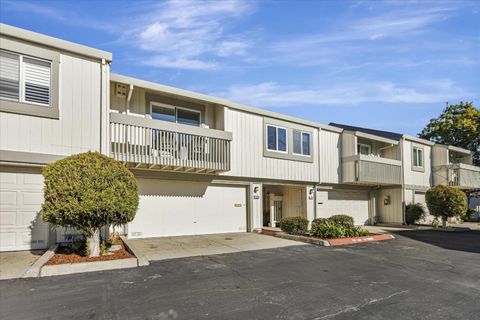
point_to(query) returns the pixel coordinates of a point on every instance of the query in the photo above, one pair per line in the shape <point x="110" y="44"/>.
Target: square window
<point x="163" y="113"/>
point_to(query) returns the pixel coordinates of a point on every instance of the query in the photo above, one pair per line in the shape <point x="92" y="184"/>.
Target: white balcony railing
<point x="371" y="170"/>
<point x="463" y="175"/>
<point x="162" y="145"/>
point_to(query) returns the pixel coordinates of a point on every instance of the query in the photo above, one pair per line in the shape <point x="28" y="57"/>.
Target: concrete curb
<point x="34" y="270"/>
<point x="141" y="259"/>
<point x="69" y="268"/>
<point x="318" y="242"/>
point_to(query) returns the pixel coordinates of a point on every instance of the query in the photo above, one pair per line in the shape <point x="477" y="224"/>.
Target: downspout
<point x="403" y="179"/>
<point x="129" y="97"/>
<point x="104" y="101"/>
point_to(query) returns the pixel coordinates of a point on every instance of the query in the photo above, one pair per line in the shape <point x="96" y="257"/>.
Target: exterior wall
<point x="79" y="124"/>
<point x="329" y="157"/>
<point x="412" y="177"/>
<point x="247" y="152"/>
<point x="140" y="105"/>
<point x="393" y="212"/>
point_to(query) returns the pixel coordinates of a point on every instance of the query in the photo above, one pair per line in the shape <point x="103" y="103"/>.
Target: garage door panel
<point x="352" y="203"/>
<point x="173" y="208"/>
<point x="21" y="197"/>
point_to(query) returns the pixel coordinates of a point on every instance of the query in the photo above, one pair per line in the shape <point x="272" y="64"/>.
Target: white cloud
<point x="189" y="33"/>
<point x="271" y="94"/>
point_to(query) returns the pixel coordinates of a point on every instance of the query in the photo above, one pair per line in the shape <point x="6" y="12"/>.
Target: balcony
<point x="463" y="175"/>
<point x="371" y="170"/>
<point x="145" y="143"/>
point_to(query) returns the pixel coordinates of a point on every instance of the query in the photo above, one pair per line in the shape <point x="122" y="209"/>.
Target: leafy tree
<point x="445" y="202"/>
<point x="88" y="191"/>
<point x="458" y="125"/>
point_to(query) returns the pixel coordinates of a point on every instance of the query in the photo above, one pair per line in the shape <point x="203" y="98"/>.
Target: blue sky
<point x="388" y="65"/>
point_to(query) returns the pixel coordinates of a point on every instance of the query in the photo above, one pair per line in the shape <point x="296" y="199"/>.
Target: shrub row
<point x="337" y="226"/>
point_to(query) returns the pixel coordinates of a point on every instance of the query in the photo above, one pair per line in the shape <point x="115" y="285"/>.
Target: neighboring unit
<point x="203" y="164"/>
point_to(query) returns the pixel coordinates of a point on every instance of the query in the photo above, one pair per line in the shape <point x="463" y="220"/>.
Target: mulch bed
<point x="66" y="255"/>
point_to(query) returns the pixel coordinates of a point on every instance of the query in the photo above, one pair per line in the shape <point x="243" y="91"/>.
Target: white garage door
<point x="172" y="208"/>
<point x="352" y="203"/>
<point x="21" y="227"/>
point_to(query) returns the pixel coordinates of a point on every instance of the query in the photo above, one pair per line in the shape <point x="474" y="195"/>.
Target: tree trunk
<point x="444" y="222"/>
<point x="94" y="243"/>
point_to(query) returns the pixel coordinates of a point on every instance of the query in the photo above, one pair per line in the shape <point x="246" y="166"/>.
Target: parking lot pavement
<point x="432" y="275"/>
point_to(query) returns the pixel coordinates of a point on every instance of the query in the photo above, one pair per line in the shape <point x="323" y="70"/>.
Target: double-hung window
<point x="301" y="142"/>
<point x="276" y="138"/>
<point x="417" y="157"/>
<point x="25" y="79"/>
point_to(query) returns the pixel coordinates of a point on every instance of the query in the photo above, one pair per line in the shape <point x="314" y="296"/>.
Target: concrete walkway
<point x="203" y="245"/>
<point x="14" y="264"/>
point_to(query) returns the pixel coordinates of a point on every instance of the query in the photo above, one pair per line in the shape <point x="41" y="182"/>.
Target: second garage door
<point x="21" y="197"/>
<point x="353" y="203"/>
<point x="173" y="208"/>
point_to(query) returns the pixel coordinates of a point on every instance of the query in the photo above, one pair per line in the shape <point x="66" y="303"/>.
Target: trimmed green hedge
<point x="446" y="202"/>
<point x="414" y="212"/>
<point x="342" y="220"/>
<point x="294" y="225"/>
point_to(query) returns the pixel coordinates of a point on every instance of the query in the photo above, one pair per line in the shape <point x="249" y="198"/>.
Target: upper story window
<point x="417" y="157"/>
<point x="301" y="142"/>
<point x="165" y="112"/>
<point x="364" y="149"/>
<point x="25" y="79"/>
<point x="276" y="138"/>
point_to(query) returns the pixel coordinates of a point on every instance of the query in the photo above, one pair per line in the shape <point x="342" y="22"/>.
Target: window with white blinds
<point x="25" y="79"/>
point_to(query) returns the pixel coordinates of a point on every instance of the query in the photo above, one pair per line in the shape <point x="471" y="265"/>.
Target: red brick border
<point x="355" y="240"/>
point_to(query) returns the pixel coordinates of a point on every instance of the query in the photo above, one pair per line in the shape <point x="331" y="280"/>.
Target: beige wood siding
<point x="247" y="152"/>
<point x="391" y="213"/>
<point x="329" y="155"/>
<point x="416" y="178"/>
<point x="78" y="127"/>
<point x="139" y="106"/>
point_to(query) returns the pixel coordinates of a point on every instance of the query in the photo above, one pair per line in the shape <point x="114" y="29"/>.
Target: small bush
<point x="353" y="231"/>
<point x="446" y="202"/>
<point x="342" y="220"/>
<point x="318" y="221"/>
<point x="414" y="212"/>
<point x="294" y="225"/>
<point x="328" y="229"/>
<point x="470" y="215"/>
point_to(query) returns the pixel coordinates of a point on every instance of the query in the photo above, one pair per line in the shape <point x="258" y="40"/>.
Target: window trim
<point x="175" y="108"/>
<point x="364" y="145"/>
<point x="28" y="108"/>
<point x="301" y="143"/>
<point x="276" y="129"/>
<point x="416" y="167"/>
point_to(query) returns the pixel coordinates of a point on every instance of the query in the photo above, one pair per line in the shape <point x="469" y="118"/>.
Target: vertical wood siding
<point x="77" y="130"/>
<point x="329" y="154"/>
<point x="247" y="152"/>
<point x="415" y="177"/>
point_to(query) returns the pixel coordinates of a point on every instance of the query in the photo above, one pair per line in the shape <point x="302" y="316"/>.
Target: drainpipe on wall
<point x="403" y="179"/>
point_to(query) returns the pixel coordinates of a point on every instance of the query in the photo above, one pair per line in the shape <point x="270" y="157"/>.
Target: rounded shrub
<point x="88" y="191"/>
<point x="445" y="202"/>
<point x="342" y="220"/>
<point x="328" y="229"/>
<point x="318" y="221"/>
<point x="294" y="225"/>
<point x="414" y="212"/>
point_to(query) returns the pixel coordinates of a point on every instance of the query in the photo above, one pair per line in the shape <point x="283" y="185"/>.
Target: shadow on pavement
<point x="467" y="241"/>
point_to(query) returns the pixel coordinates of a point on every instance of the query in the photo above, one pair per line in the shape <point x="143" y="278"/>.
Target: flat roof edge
<point x="53" y="42"/>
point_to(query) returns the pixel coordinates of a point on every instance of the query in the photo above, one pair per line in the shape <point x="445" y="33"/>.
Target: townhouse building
<point x="203" y="164"/>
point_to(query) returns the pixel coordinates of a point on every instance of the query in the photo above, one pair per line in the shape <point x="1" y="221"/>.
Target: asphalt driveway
<point x="203" y="245"/>
<point x="422" y="275"/>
